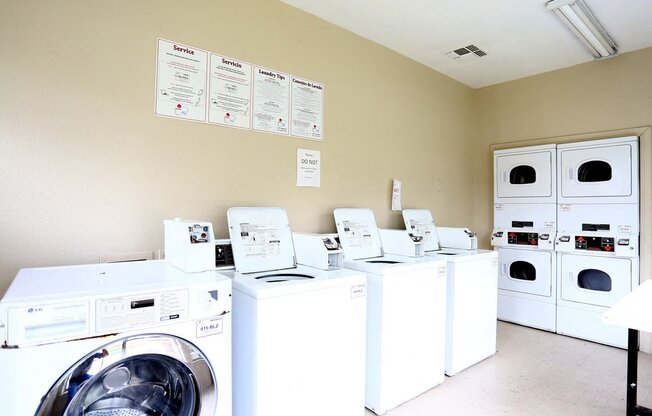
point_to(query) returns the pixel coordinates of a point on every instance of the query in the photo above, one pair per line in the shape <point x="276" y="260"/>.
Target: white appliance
<point x="139" y="338"/>
<point x="190" y="244"/>
<point x="472" y="279"/>
<point x="405" y="314"/>
<point x="597" y="264"/>
<point x="299" y="332"/>
<point x="525" y="175"/>
<point x="598" y="171"/>
<point x="524" y="236"/>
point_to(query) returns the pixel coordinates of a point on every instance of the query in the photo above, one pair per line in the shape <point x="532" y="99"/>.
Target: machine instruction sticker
<point x="357" y="234"/>
<point x="260" y="240"/>
<point x="421" y="229"/>
<point x="211" y="326"/>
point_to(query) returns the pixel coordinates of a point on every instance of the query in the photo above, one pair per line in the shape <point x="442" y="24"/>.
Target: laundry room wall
<point x="87" y="170"/>
<point x="608" y="98"/>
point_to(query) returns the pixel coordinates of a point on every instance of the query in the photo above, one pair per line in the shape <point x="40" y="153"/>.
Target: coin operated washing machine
<point x="299" y="332"/>
<point x="405" y="314"/>
<point x="472" y="280"/>
<point x="139" y="338"/>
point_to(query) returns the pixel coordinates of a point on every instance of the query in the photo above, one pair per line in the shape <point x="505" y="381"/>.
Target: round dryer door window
<point x="145" y="375"/>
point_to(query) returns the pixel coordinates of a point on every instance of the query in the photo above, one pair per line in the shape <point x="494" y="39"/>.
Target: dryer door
<point x="151" y="374"/>
<point x="525" y="271"/>
<point x="600" y="171"/>
<point x="524" y="177"/>
<point x="594" y="280"/>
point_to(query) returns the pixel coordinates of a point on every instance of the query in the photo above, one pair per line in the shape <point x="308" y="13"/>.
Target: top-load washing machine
<point x="471" y="291"/>
<point x="140" y="338"/>
<point x="405" y="315"/>
<point x="299" y="332"/>
<point x="598" y="171"/>
<point x="525" y="175"/>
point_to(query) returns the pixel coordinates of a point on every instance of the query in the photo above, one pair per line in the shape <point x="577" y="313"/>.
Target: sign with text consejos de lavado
<point x="198" y="85"/>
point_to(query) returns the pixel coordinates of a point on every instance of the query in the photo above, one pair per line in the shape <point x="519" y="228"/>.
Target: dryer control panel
<point x="532" y="239"/>
<point x="617" y="245"/>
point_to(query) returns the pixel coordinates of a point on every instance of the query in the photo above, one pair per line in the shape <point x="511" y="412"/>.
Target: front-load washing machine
<point x="298" y="332"/>
<point x="525" y="175"/>
<point x="405" y="314"/>
<point x="524" y="236"/>
<point x="140" y="338"/>
<point x="598" y="171"/>
<point x="471" y="287"/>
<point x="597" y="264"/>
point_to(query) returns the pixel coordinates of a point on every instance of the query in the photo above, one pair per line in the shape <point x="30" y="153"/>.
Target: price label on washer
<point x="212" y="326"/>
<point x="358" y="291"/>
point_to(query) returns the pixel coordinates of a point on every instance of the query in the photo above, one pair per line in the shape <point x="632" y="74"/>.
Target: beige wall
<point x="87" y="169"/>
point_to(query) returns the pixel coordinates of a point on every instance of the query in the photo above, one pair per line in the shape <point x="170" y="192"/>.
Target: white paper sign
<point x="396" y="195"/>
<point x="307" y="109"/>
<point x="181" y="81"/>
<point x="308" y="168"/>
<point x="230" y="92"/>
<point x="271" y="96"/>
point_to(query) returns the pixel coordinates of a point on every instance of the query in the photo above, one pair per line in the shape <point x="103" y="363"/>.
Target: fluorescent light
<point x="580" y="20"/>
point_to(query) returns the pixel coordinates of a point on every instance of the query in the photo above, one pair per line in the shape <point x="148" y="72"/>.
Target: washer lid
<point x="358" y="233"/>
<point x="420" y="223"/>
<point x="261" y="239"/>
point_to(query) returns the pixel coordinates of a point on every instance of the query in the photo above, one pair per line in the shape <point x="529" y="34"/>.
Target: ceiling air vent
<point x="466" y="52"/>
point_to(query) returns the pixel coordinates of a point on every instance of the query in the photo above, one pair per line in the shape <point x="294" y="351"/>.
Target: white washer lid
<point x="359" y="235"/>
<point x="420" y="223"/>
<point x="261" y="239"/>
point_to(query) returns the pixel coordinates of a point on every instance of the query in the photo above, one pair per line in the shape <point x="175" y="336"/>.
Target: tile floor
<point x="536" y="373"/>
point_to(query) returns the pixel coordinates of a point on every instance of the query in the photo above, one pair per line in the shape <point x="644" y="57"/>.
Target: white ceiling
<point x="521" y="37"/>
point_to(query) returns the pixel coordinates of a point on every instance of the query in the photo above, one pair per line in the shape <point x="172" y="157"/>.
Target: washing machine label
<point x="498" y="207"/>
<point x="565" y="207"/>
<point x="624" y="229"/>
<point x="549" y="224"/>
<point x="358" y="291"/>
<point x="441" y="271"/>
<point x="261" y="239"/>
<point x="358" y="234"/>
<point x="212" y="326"/>
<point x="422" y="229"/>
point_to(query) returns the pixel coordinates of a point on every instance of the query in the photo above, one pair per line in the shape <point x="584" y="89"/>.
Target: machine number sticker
<point x="565" y="207"/>
<point x="624" y="229"/>
<point x="549" y="224"/>
<point x="358" y="291"/>
<point x="441" y="271"/>
<point x="212" y="326"/>
<point x="498" y="207"/>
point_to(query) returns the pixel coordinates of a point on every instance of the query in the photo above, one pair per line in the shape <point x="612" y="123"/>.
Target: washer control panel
<point x="118" y="313"/>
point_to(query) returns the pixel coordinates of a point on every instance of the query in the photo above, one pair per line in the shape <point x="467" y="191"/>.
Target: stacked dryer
<point x="524" y="232"/>
<point x="598" y="234"/>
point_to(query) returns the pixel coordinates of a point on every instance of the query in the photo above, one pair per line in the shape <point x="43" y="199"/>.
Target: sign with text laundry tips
<point x="198" y="85"/>
<point x="308" y="168"/>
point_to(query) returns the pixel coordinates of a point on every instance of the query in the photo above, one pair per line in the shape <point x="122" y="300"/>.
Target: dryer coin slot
<point x="145" y="303"/>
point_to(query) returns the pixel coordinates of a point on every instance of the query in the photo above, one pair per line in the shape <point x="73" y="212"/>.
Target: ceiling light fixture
<point x="577" y="16"/>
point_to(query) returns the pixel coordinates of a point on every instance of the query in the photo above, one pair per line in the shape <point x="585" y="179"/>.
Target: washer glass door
<point x="145" y="375"/>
